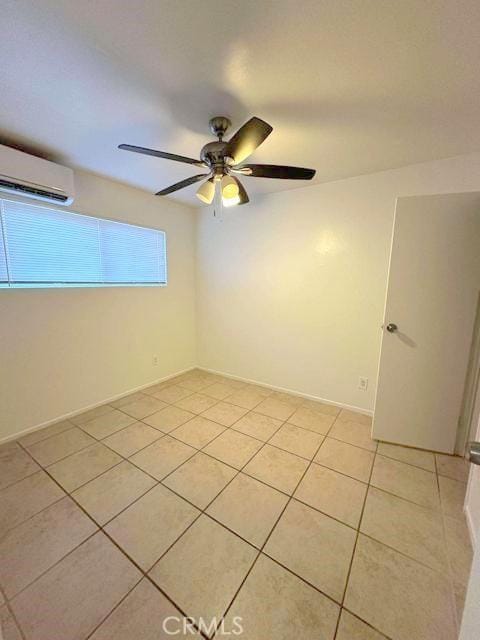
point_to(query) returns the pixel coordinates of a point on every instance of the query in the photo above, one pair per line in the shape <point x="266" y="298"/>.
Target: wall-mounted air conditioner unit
<point x="24" y="175"/>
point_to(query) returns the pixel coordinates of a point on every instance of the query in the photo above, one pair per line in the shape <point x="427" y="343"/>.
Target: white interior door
<point x="433" y="286"/>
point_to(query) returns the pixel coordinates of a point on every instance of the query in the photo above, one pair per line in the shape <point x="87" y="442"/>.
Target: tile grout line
<point x="171" y="405"/>
<point x="232" y="426"/>
<point x="144" y="576"/>
<point x="124" y="459"/>
<point x="324" y="513"/>
<point x="253" y="409"/>
<point x="238" y="471"/>
<point x="98" y="440"/>
<point x="169" y="433"/>
<point x="396" y="495"/>
<point x="440" y="514"/>
<point x="9" y="609"/>
<point x="272" y="530"/>
<point x="101" y="530"/>
<point x="8" y="486"/>
<point x="347" y="580"/>
<point x="451" y="580"/>
<point x="324" y="436"/>
<point x="202" y="512"/>
<point x="39" y="431"/>
<point x="90" y="444"/>
<point x="12" y="613"/>
<point x="147" y="395"/>
<point x="161" y="434"/>
<point x="236" y="475"/>
<point x="181" y="464"/>
<point x="57" y="562"/>
<point x="69" y="493"/>
<point x="19" y="524"/>
<point x="220" y="523"/>
<point x="250" y="543"/>
<point x="112" y="408"/>
<point x="195" y="415"/>
<point x="201" y="450"/>
<point x="368" y="624"/>
<point x="316" y="509"/>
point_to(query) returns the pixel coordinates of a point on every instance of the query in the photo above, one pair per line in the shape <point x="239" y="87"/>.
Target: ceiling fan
<point x="224" y="162"/>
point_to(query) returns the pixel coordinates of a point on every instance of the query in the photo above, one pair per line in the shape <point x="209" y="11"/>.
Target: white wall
<point x="471" y="612"/>
<point x="65" y="349"/>
<point x="291" y="287"/>
<point x="290" y="293"/>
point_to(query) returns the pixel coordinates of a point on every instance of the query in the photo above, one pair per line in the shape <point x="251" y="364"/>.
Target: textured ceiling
<point x="350" y="87"/>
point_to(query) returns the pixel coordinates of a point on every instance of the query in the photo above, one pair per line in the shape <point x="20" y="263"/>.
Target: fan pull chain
<point x="218" y="202"/>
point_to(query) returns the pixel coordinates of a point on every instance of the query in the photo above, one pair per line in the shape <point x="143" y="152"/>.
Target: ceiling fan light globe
<point x="230" y="202"/>
<point x="206" y="192"/>
<point x="230" y="188"/>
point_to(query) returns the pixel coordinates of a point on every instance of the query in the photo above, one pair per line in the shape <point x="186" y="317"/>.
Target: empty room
<point x="240" y="320"/>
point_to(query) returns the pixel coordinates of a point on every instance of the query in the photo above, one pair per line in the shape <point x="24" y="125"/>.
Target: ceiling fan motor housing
<point x="214" y="154"/>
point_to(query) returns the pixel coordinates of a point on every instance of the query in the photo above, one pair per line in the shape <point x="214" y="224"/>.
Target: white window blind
<point x="3" y="259"/>
<point x="47" y="247"/>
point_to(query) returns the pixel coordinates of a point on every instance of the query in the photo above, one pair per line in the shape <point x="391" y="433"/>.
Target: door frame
<point x="466" y="421"/>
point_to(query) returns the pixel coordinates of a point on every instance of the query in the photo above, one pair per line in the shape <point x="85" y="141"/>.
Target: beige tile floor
<point x="213" y="499"/>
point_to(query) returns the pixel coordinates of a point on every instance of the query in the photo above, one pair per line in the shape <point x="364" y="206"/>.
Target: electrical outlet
<point x="155" y="361"/>
<point x="363" y="383"/>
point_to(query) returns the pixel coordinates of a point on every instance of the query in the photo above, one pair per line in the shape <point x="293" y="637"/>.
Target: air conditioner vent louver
<point x="32" y="191"/>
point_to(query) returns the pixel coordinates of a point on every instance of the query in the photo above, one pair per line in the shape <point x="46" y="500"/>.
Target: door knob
<point x="392" y="327"/>
<point x="474" y="452"/>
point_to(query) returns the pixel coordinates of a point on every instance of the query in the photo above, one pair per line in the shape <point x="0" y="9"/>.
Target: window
<point x="43" y="247"/>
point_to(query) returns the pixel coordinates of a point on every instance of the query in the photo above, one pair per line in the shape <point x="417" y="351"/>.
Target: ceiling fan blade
<point x="242" y="194"/>
<point x="247" y="139"/>
<point x="161" y="154"/>
<point x="276" y="171"/>
<point x="183" y="183"/>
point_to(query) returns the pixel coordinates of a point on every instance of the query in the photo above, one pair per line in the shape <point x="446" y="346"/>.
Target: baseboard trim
<point x="71" y="414"/>
<point x="259" y="383"/>
<point x="367" y="412"/>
